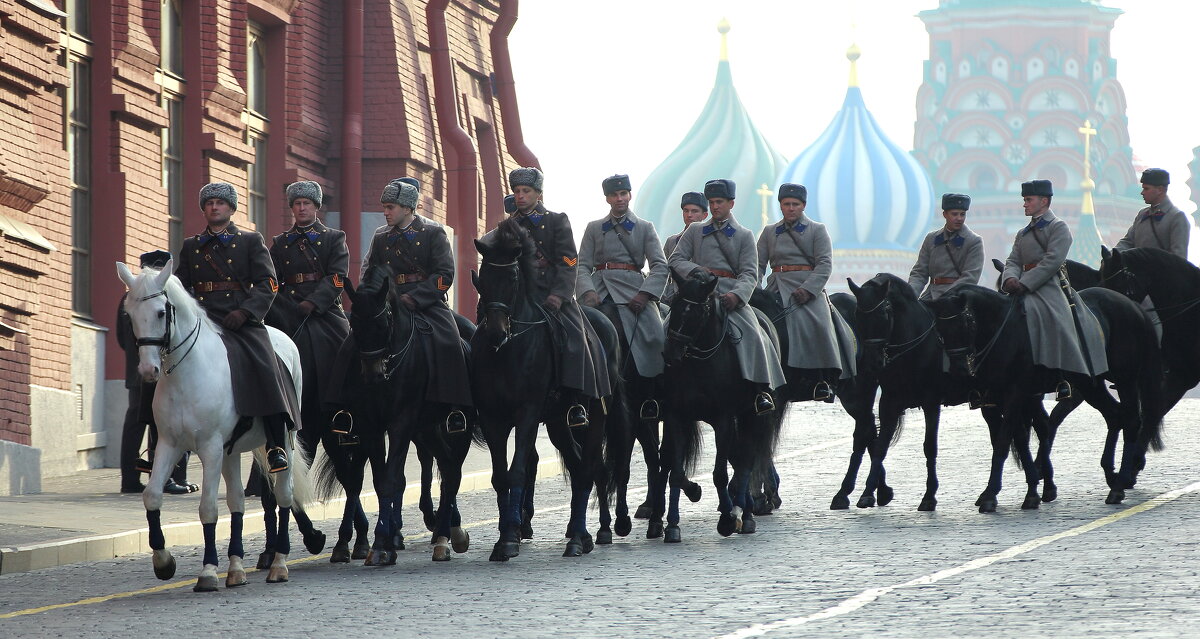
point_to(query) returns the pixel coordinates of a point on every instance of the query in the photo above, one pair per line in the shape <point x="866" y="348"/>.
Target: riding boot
<point x="277" y="460"/>
<point x="763" y="403"/>
<point x="649" y="409"/>
<point x="456" y="421"/>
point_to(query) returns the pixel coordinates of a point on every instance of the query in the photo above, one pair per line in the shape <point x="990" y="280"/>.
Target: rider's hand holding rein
<point x="590" y="298"/>
<point x="639" y="301"/>
<point x="234" y="320"/>
<point x="1013" y="286"/>
<point x="307" y="307"/>
<point x="553" y="302"/>
<point x="801" y="296"/>
<point x="730" y="301"/>
<point x="408" y="301"/>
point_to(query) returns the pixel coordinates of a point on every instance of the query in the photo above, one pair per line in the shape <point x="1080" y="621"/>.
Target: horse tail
<point x="619" y="429"/>
<point x="1025" y="422"/>
<point x="303" y="489"/>
<point x="690" y="443"/>
<point x="761" y="439"/>
<point x="1150" y="393"/>
<point x="899" y="428"/>
<point x="330" y="469"/>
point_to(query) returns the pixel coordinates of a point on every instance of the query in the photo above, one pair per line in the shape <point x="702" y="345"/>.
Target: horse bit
<point x="164" y="343"/>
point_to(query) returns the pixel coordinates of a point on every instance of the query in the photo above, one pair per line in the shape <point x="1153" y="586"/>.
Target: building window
<point x="172" y="153"/>
<point x="256" y="72"/>
<point x="79" y="149"/>
<point x="172" y="37"/>
<point x="256" y="179"/>
<point x="256" y="130"/>
<point x="78" y="18"/>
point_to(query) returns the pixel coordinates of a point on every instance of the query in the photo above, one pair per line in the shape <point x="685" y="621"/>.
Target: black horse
<point x="986" y="338"/>
<point x="703" y="384"/>
<point x="387" y="397"/>
<point x="515" y="383"/>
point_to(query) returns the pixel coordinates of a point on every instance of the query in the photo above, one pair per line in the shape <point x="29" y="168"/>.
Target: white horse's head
<point x="150" y="313"/>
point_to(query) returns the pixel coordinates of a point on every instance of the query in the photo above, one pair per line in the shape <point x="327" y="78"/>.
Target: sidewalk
<point x="83" y="517"/>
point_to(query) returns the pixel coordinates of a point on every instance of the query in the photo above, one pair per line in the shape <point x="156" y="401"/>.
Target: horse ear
<point x="998" y="265"/>
<point x="475" y="275"/>
<point x="676" y="277"/>
<point x="348" y="286"/>
<point x="854" y="288"/>
<point x="165" y="274"/>
<point x="1104" y="252"/>
<point x="125" y="275"/>
<point x="481" y="247"/>
<point x="887" y="286"/>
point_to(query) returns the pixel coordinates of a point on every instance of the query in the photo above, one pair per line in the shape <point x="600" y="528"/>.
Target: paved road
<point x="1074" y="568"/>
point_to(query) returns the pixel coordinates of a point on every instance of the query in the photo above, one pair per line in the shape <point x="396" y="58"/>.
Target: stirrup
<point x="274" y="466"/>
<point x="335" y="424"/>
<point x="347" y="439"/>
<point x="649" y="409"/>
<point x="763" y="403"/>
<point x="456" y="422"/>
<point x="822" y="392"/>
<point x="581" y="416"/>
<point x="1062" y="391"/>
<point x="144" y="464"/>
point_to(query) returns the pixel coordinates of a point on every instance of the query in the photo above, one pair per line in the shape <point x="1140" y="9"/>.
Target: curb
<point x="131" y="542"/>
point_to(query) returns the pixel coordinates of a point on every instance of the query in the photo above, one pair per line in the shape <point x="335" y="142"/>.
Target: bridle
<point x="889" y="351"/>
<point x="388" y="362"/>
<point x="1131" y="282"/>
<point x="164" y="342"/>
<point x="690" y="351"/>
<point x="507" y="309"/>
<point x="975" y="358"/>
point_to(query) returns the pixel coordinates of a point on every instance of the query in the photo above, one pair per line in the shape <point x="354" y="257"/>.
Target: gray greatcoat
<point x="812" y="327"/>
<point x="669" y="248"/>
<point x="1042" y="246"/>
<point x="1162" y="226"/>
<point x="699" y="248"/>
<point x="946" y="255"/>
<point x="601" y="246"/>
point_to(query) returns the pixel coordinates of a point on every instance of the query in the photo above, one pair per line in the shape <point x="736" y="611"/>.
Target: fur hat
<point x="955" y="202"/>
<point x="720" y="188"/>
<point x="692" y="197"/>
<point x="309" y="190"/>
<point x="615" y="183"/>
<point x="793" y="190"/>
<point x="526" y="176"/>
<point x="401" y="193"/>
<point x="220" y="190"/>
<point x="155" y="259"/>
<point x="1041" y="188"/>
<point x="410" y="180"/>
<point x="510" y="204"/>
<point x="1156" y="177"/>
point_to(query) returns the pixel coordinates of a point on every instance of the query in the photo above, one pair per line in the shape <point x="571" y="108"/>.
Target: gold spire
<point x="765" y="192"/>
<point x="723" y="29"/>
<point x="853" y="54"/>
<point x="1087" y="207"/>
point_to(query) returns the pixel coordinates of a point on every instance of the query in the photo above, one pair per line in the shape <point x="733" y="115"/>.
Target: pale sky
<point x="613" y="87"/>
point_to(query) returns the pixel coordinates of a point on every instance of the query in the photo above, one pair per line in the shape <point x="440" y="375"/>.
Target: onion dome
<point x="723" y="143"/>
<point x="869" y="193"/>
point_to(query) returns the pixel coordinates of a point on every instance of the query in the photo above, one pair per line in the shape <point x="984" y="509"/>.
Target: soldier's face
<point x="720" y="208"/>
<point x="618" y="202"/>
<point x="1035" y="205"/>
<point x="526" y="197"/>
<point x="693" y="213"/>
<point x="395" y="214"/>
<point x="791" y="208"/>
<point x="1153" y="194"/>
<point x="217" y="212"/>
<point x="304" y="211"/>
<point x="955" y="219"/>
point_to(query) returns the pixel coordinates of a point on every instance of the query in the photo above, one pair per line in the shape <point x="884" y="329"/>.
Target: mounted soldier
<point x="581" y="364"/>
<point x="417" y="251"/>
<point x="612" y="255"/>
<point x="311" y="262"/>
<point x="800" y="254"/>
<point x="229" y="271"/>
<point x="1161" y="224"/>
<point x="725" y="249"/>
<point x="694" y="208"/>
<point x="949" y="256"/>
<point x="1063" y="333"/>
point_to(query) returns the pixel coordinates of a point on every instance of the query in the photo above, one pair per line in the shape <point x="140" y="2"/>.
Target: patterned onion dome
<point x="868" y="192"/>
<point x="723" y="143"/>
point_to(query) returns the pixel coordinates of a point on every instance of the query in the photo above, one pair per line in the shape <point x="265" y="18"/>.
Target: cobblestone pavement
<point x="1074" y="568"/>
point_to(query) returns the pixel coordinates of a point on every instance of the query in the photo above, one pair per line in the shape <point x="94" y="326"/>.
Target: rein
<point x="691" y="351"/>
<point x="1182" y="306"/>
<point x="391" y="361"/>
<point x="885" y="344"/>
<point x="506" y="309"/>
<point x="975" y="360"/>
<point x="164" y="343"/>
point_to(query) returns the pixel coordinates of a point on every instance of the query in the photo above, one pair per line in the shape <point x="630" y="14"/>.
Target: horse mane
<point x="515" y="241"/>
<point x="1160" y="261"/>
<point x="175" y="293"/>
<point x="899" y="287"/>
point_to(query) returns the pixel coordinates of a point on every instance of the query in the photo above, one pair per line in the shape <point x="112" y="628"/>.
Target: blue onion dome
<point x="868" y="192"/>
<point x="723" y="143"/>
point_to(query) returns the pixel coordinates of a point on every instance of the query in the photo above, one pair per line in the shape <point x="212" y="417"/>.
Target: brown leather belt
<point x="208" y="287"/>
<point x="408" y="278"/>
<point x="300" y="278"/>
<point x="617" y="265"/>
<point x="944" y="280"/>
<point x="788" y="268"/>
<point x="1030" y="266"/>
<point x="719" y="273"/>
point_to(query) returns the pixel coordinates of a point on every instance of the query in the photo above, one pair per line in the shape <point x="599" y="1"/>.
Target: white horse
<point x="182" y="350"/>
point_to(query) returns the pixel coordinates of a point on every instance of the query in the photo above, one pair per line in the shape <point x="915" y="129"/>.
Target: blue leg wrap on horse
<point x="270" y="522"/>
<point x="360" y="519"/>
<point x="154" y="520"/>
<point x="282" y="543"/>
<point x="235" y="535"/>
<point x="516" y="498"/>
<point x="210" y="544"/>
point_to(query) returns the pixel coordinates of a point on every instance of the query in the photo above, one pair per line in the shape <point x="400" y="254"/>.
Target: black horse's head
<point x="499" y="278"/>
<point x="873" y="319"/>
<point x="957" y="328"/>
<point x="1117" y="275"/>
<point x="693" y="307"/>
<point x="372" y="322"/>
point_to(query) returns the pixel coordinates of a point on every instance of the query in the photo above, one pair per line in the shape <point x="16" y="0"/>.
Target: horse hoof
<point x="526" y="530"/>
<point x="987" y="504"/>
<point x="340" y="554"/>
<point x="672" y="534"/>
<point x="398" y="541"/>
<point x="375" y="557"/>
<point x="1031" y="502"/>
<point x="840" y="502"/>
<point x="277" y="575"/>
<point x="655" y="529"/>
<point x="574" y="548"/>
<point x="1115" y="496"/>
<point x="314" y="543"/>
<point x="886" y="495"/>
<point x="265" y="559"/>
<point x="498" y="554"/>
<point x="441" y="549"/>
<point x="164" y="568"/>
<point x="693" y="491"/>
<point x="1049" y="492"/>
<point x="866" y="501"/>
<point x="362" y="548"/>
<point x="749" y="525"/>
<point x="234" y="579"/>
<point x="623" y="526"/>
<point x="928" y="505"/>
<point x="206" y="584"/>
<point x="460" y="540"/>
<point x="726" y="525"/>
<point x="644" y="511"/>
<point x="588" y="544"/>
<point x="776" y="501"/>
<point x="604" y="537"/>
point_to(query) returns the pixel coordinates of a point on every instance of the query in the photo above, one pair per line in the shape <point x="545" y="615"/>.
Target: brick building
<point x="117" y="112"/>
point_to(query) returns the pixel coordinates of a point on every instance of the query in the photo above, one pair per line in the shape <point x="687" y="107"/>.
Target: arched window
<point x="1000" y="69"/>
<point x="1072" y="68"/>
<point x="1034" y="69"/>
<point x="984" y="178"/>
<point x="964" y="68"/>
